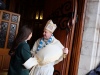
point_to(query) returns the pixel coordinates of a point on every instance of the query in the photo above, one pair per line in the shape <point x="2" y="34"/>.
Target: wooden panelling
<point x="4" y="51"/>
<point x="1" y="57"/>
<point x="6" y="60"/>
<point x="75" y="54"/>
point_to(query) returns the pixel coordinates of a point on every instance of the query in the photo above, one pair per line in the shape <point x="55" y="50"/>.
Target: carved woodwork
<point x="75" y="53"/>
<point x="9" y="23"/>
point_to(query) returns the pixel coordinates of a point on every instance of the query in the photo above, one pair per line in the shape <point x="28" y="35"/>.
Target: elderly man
<point x="48" y="51"/>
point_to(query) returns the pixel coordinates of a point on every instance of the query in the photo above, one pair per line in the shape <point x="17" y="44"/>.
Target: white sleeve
<point x="30" y="63"/>
<point x="34" y="48"/>
<point x="61" y="58"/>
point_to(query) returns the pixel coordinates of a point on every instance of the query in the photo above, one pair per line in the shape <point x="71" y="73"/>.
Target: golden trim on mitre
<point x="50" y="26"/>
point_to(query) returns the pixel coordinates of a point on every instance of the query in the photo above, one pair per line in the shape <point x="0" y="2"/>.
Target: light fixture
<point x="39" y="15"/>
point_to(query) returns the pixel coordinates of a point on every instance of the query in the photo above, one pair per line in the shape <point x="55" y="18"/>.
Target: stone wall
<point x="90" y="50"/>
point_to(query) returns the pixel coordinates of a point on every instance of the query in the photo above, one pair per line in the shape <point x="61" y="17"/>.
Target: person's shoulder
<point x="56" y="40"/>
<point x="58" y="43"/>
<point x="24" y="44"/>
<point x="38" y="40"/>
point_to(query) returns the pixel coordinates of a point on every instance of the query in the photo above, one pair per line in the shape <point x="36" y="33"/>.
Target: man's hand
<point x="65" y="51"/>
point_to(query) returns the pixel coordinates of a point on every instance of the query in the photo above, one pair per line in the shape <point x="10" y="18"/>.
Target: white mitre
<point x="50" y="26"/>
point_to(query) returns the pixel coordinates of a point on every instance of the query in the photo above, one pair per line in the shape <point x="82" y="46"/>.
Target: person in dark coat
<point x="95" y="71"/>
<point x="20" y="52"/>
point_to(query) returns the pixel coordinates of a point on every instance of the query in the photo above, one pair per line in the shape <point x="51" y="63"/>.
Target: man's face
<point x="47" y="34"/>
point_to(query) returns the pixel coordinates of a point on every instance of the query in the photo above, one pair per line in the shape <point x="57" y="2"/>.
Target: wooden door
<point x="64" y="16"/>
<point x="9" y="23"/>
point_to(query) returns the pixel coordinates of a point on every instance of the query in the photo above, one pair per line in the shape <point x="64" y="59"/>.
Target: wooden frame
<point x="6" y="17"/>
<point x="75" y="52"/>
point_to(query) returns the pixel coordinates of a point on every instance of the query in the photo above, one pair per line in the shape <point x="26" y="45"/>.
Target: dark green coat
<point x="21" y="55"/>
